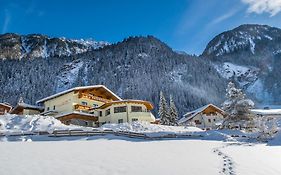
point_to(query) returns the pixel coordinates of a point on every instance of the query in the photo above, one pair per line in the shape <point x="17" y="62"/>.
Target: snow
<point x="256" y="159"/>
<point x="143" y="55"/>
<point x="243" y="74"/>
<point x="122" y="156"/>
<point x="11" y="123"/>
<point x="267" y="111"/>
<point x="69" y="75"/>
<point x="252" y="45"/>
<point x="150" y="129"/>
<point x="268" y="37"/>
<point x="258" y="90"/>
<point x="110" y="156"/>
<point x="91" y="43"/>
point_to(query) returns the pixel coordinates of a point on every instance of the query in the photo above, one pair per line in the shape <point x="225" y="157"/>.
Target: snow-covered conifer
<point x="173" y="112"/>
<point x="237" y="107"/>
<point x="163" y="112"/>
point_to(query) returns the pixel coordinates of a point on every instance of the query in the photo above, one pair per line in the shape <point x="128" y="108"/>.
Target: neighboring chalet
<point x="5" y="108"/>
<point x="94" y="106"/>
<point x="268" y="113"/>
<point x="206" y="117"/>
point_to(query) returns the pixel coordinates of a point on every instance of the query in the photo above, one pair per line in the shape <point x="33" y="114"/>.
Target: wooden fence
<point x="69" y="133"/>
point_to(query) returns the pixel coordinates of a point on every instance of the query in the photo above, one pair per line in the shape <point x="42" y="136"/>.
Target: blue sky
<point x="185" y="25"/>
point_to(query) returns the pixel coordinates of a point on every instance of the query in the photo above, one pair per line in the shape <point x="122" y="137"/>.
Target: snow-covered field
<point x="124" y="156"/>
<point x="216" y="152"/>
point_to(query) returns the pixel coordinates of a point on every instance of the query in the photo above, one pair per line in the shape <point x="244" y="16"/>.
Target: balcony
<point x="79" y="107"/>
<point x="92" y="97"/>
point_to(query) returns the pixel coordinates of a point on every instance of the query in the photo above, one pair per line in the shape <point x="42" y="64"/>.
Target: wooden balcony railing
<point x="79" y="107"/>
<point x="92" y="97"/>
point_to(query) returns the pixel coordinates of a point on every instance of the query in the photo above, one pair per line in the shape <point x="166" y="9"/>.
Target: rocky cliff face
<point x="14" y="46"/>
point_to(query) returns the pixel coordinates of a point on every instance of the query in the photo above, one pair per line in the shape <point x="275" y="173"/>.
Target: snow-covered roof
<point x="29" y="106"/>
<point x="267" y="111"/>
<point x="78" y="88"/>
<point x="5" y="104"/>
<point x="21" y="106"/>
<point x="191" y="114"/>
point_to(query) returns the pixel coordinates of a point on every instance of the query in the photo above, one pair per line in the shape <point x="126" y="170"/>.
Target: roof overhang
<point x="77" y="115"/>
<point x="149" y="106"/>
<point x="115" y="97"/>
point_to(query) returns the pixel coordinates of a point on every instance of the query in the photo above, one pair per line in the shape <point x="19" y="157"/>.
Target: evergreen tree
<point x="173" y="112"/>
<point x="237" y="107"/>
<point x="163" y="110"/>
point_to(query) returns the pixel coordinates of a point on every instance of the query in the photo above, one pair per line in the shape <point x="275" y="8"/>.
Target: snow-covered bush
<point x="267" y="127"/>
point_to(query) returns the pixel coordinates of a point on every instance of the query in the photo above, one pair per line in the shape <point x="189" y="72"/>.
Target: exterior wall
<point x="127" y="116"/>
<point x="63" y="104"/>
<point x="204" y="119"/>
<point x="30" y="112"/>
<point x="81" y="122"/>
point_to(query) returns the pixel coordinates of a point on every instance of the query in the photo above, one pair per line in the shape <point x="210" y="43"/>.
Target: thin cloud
<point x="7" y="19"/>
<point x="272" y="7"/>
<point x="223" y="17"/>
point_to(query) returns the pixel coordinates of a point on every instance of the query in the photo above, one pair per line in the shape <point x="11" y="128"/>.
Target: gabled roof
<point x="191" y="114"/>
<point x="79" y="88"/>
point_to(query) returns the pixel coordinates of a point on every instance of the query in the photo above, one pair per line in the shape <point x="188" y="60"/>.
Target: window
<point x="134" y="119"/>
<point x="136" y="109"/>
<point x="209" y="120"/>
<point x="120" y="109"/>
<point x="107" y="112"/>
<point x="95" y="105"/>
<point x="54" y="108"/>
<point x="48" y="108"/>
<point x="100" y="113"/>
<point x="84" y="103"/>
<point x="86" y="123"/>
<point x="120" y="120"/>
<point x="197" y="122"/>
<point x="214" y="119"/>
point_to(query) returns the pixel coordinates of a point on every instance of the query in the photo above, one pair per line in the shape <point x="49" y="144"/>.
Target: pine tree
<point x="173" y="112"/>
<point x="163" y="110"/>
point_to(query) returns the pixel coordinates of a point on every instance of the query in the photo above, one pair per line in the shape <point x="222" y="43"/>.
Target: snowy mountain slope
<point x="16" y="46"/>
<point x="244" y="75"/>
<point x="249" y="55"/>
<point x="250" y="38"/>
